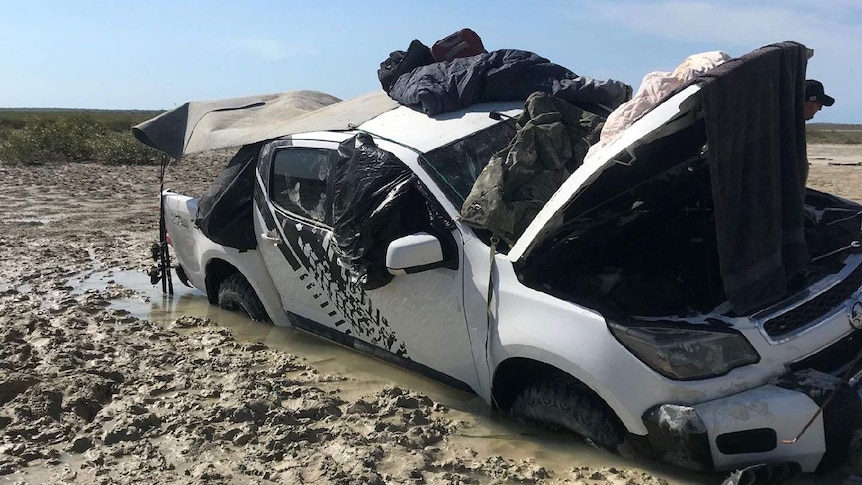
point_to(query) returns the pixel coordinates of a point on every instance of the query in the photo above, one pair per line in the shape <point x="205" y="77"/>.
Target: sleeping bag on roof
<point x="502" y="75"/>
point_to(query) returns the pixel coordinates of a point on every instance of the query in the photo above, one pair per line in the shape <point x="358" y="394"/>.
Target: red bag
<point x="464" y="43"/>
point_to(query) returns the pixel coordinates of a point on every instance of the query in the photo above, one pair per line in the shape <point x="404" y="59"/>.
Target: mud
<point x="104" y="380"/>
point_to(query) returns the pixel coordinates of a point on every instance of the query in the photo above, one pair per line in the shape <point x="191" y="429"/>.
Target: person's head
<point x="815" y="98"/>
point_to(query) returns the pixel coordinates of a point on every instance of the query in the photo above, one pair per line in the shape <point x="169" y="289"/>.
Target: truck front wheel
<point x="235" y="293"/>
<point x="559" y="401"/>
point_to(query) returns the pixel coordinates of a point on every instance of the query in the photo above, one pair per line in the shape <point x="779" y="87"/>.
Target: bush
<point x="73" y="138"/>
<point x="124" y="149"/>
<point x="842" y="137"/>
<point x="113" y="120"/>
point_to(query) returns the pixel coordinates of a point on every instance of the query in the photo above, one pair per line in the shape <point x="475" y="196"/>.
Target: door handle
<point x="270" y="236"/>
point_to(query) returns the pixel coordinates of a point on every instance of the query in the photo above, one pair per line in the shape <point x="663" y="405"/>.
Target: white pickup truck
<point x="629" y="343"/>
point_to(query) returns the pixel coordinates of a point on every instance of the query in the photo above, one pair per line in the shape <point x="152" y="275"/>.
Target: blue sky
<point x="158" y="54"/>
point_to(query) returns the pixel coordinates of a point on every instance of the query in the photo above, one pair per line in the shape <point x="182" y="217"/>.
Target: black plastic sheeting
<point x="225" y="209"/>
<point x="377" y="200"/>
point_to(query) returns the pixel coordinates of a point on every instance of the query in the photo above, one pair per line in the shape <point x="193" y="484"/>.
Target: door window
<point x="299" y="182"/>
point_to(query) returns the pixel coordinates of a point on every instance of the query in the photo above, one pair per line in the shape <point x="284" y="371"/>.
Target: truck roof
<point x="424" y="133"/>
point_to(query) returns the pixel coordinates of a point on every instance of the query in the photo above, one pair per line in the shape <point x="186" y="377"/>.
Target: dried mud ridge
<point x="101" y="397"/>
<point x="90" y="394"/>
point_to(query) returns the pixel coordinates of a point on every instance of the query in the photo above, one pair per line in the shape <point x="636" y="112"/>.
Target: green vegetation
<point x="45" y="136"/>
<point x="37" y="136"/>
<point x="114" y="120"/>
<point x="834" y="133"/>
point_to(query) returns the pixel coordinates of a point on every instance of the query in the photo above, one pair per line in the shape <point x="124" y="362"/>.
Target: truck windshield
<point x="456" y="166"/>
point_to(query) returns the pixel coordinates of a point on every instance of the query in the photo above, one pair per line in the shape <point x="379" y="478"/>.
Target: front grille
<point x="833" y="359"/>
<point x="812" y="310"/>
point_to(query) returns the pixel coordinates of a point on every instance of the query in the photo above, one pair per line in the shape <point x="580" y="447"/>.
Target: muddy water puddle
<point x="486" y="432"/>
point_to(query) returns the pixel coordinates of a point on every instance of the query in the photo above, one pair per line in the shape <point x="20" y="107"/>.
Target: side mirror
<point x="414" y="253"/>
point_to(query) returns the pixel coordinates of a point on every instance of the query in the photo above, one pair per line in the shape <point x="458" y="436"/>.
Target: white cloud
<point x="270" y="49"/>
<point x="831" y="28"/>
<point x="736" y="24"/>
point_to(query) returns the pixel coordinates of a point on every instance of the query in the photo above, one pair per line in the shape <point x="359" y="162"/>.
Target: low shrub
<point x="113" y="120"/>
<point x="74" y="138"/>
<point x="124" y="149"/>
<point x="840" y="137"/>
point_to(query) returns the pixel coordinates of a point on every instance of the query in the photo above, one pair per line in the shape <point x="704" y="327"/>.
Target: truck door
<point x="416" y="320"/>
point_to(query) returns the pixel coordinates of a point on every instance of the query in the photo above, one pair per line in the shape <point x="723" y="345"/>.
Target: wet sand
<point x="105" y="380"/>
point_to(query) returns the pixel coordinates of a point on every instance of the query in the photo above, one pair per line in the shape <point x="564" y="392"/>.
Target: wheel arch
<point x="219" y="263"/>
<point x="513" y="374"/>
<point x="217" y="270"/>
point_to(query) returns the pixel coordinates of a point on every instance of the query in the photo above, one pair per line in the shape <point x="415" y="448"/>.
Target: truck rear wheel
<point x="235" y="293"/>
<point x="560" y="401"/>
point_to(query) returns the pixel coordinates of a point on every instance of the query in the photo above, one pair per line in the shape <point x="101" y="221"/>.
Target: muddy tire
<point x="235" y="293"/>
<point x="559" y="401"/>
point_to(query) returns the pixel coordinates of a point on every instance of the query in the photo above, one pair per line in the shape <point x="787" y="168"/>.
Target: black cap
<point x="814" y="92"/>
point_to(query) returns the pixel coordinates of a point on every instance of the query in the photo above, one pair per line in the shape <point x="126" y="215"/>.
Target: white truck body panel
<point x="439" y="318"/>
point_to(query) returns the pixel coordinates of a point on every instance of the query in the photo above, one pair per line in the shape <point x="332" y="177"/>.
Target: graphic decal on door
<point x="330" y="285"/>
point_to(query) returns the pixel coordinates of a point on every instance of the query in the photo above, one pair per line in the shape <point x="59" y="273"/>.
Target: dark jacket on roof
<point x="502" y="75"/>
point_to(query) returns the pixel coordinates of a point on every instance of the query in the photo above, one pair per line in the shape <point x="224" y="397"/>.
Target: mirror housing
<point x="413" y="254"/>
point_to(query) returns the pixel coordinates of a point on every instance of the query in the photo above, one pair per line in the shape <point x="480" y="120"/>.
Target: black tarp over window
<point x="225" y="209"/>
<point x="378" y="199"/>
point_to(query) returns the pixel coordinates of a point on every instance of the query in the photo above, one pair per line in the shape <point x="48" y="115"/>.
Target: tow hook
<point x="764" y="473"/>
<point x="852" y="245"/>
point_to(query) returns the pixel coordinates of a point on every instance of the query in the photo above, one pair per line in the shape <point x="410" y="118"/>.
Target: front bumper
<point x="749" y="427"/>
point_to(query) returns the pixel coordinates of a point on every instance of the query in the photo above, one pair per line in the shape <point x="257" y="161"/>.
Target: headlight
<point x="682" y="353"/>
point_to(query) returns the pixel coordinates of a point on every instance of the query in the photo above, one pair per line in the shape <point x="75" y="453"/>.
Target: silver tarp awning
<point x="204" y="125"/>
